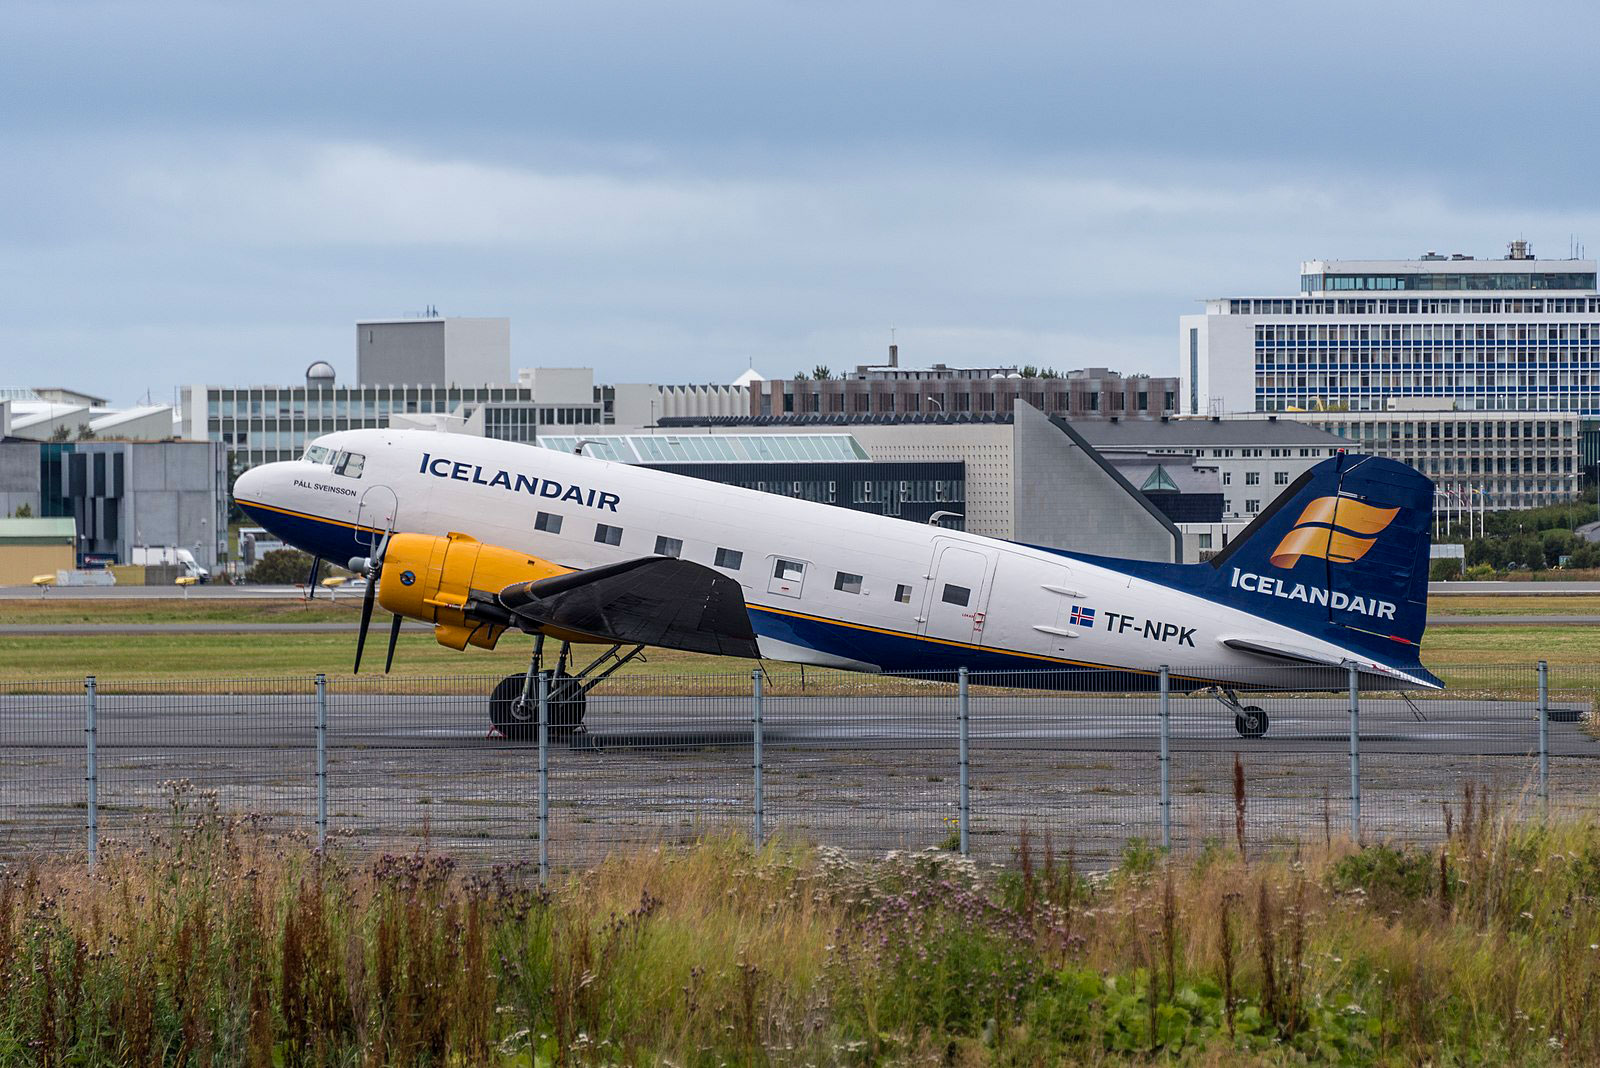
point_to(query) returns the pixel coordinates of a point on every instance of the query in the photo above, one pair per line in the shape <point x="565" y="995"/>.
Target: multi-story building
<point x="1503" y="459"/>
<point x="1516" y="334"/>
<point x="1092" y="393"/>
<point x="433" y="350"/>
<point x="123" y="494"/>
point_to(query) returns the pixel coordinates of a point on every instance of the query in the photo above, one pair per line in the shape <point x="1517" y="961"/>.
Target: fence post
<point x="1544" y="736"/>
<point x="1355" y="752"/>
<point x="91" y="771"/>
<point x="756" y="758"/>
<point x="544" y="778"/>
<point x="1166" y="759"/>
<point x="322" y="759"/>
<point x="961" y="722"/>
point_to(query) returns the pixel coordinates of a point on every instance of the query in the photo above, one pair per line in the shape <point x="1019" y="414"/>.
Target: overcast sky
<point x="213" y="192"/>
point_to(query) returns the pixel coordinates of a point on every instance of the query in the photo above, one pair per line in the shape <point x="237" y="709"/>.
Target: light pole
<point x="935" y="400"/>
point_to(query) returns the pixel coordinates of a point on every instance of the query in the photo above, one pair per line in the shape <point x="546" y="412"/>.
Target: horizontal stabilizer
<point x="655" y="600"/>
<point x="1293" y="654"/>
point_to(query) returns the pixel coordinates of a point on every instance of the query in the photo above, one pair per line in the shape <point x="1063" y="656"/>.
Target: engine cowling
<point x="452" y="582"/>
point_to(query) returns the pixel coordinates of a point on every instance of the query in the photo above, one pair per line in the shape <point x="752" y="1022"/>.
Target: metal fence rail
<point x="867" y="763"/>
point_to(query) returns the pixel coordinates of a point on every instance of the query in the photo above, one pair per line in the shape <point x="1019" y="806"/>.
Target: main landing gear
<point x="1249" y="720"/>
<point x="514" y="703"/>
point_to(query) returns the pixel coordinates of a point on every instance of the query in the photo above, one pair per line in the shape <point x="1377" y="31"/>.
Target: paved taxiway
<point x="868" y="774"/>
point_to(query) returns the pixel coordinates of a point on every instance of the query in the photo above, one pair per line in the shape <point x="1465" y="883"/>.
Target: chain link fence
<point x="1087" y="761"/>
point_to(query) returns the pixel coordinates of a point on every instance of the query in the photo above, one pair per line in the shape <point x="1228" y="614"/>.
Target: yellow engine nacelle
<point x="434" y="579"/>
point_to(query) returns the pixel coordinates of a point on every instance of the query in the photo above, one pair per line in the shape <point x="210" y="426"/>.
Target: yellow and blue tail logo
<point x="1336" y="529"/>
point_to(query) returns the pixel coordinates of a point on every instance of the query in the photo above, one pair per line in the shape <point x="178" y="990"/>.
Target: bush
<point x="1480" y="573"/>
<point x="284" y="567"/>
<point x="1444" y="570"/>
<point x="1390" y="877"/>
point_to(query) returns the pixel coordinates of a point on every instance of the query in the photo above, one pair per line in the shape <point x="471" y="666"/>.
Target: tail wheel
<point x="1250" y="721"/>
<point x="517" y="717"/>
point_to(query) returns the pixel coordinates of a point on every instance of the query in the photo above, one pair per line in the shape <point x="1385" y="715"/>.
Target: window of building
<point x="902" y="593"/>
<point x="548" y="522"/>
<point x="1204" y="540"/>
<point x="729" y="559"/>
<point x="954" y="594"/>
<point x="1227" y="478"/>
<point x="845" y="582"/>
<point x="1252" y="506"/>
<point x="668" y="546"/>
<point x="607" y="535"/>
<point x="1280" y="478"/>
<point x="1252" y="478"/>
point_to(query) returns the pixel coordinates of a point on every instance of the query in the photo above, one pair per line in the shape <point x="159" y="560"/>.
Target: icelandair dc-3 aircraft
<point x="477" y="537"/>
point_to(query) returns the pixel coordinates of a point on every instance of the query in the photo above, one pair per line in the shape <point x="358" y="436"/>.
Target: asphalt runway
<point x="867" y="774"/>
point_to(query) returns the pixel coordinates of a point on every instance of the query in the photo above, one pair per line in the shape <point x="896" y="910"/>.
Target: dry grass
<point x="215" y="941"/>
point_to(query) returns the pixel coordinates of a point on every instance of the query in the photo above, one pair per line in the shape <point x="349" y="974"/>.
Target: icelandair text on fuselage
<point x="439" y="467"/>
<point x="1344" y="602"/>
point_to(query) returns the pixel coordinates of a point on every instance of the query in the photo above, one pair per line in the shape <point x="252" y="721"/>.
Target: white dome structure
<point x="749" y="378"/>
<point x="320" y="374"/>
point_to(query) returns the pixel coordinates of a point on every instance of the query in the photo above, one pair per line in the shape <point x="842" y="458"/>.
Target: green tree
<point x="1525" y="550"/>
<point x="1444" y="570"/>
<point x="821" y="372"/>
<point x="801" y="376"/>
<point x="1029" y="371"/>
<point x="85" y="432"/>
<point x="24" y="511"/>
<point x="1586" y="554"/>
<point x="284" y="567"/>
<point x="60" y="433"/>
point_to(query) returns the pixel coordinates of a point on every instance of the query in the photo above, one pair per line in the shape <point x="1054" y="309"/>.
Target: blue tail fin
<point x="1341" y="554"/>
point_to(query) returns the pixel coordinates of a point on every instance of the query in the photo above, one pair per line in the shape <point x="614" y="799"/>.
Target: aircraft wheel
<point x="1251" y="722"/>
<point x="517" y="721"/>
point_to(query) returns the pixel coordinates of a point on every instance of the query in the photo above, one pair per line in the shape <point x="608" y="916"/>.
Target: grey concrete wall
<point x="174" y="496"/>
<point x="19" y="478"/>
<point x="1066" y="500"/>
<point x="477" y="352"/>
<point x="404" y="354"/>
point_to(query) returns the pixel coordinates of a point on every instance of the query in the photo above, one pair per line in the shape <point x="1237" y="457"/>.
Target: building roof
<point x="29" y="529"/>
<point x="711" y="448"/>
<point x="1201" y="433"/>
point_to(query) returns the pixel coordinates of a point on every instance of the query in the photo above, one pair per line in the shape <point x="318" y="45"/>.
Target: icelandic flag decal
<point x="1081" y="616"/>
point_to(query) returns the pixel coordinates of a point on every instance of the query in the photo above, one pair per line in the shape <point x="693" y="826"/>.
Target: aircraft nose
<point x="253" y="485"/>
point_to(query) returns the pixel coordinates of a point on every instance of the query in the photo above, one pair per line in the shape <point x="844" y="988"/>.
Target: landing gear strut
<point x="1249" y="720"/>
<point x="514" y="703"/>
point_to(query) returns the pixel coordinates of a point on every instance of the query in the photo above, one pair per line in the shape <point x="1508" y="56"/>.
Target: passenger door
<point x="958" y="594"/>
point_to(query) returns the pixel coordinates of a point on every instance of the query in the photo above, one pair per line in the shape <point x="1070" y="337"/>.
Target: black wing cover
<point x="655" y="600"/>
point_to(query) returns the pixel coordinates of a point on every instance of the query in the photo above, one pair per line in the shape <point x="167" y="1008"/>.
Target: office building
<point x="123" y="494"/>
<point x="1501" y="335"/>
<point x="1092" y="393"/>
<point x="1512" y="459"/>
<point x="1254" y="460"/>
<point x="433" y="351"/>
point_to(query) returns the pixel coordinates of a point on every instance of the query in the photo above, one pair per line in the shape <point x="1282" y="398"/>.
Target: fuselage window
<point x="788" y="570"/>
<point x="607" y="535"/>
<point x="669" y="546"/>
<point x="847" y="583"/>
<point x="954" y="594"/>
<point x="548" y="522"/>
<point x="730" y="559"/>
<point x="902" y="593"/>
<point x="350" y="464"/>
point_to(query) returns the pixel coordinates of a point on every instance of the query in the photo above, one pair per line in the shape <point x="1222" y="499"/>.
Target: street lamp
<point x="935" y="400"/>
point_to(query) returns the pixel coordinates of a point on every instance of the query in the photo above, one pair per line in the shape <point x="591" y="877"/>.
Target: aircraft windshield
<point x="349" y="464"/>
<point x="318" y="454"/>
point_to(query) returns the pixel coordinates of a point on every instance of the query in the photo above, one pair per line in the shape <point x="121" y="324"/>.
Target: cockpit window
<point x="318" y="454"/>
<point x="349" y="464"/>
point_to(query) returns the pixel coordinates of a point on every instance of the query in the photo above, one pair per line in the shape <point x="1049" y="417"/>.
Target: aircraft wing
<point x="654" y="600"/>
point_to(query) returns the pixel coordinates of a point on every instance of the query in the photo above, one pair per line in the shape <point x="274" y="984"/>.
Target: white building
<point x="1513" y="334"/>
<point x="433" y="351"/>
<point x="68" y="415"/>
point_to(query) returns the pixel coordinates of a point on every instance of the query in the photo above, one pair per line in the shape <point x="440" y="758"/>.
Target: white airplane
<point x="477" y="537"/>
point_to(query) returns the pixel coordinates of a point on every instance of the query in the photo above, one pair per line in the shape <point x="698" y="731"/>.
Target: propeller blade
<point x="394" y="636"/>
<point x="311" y="582"/>
<point x="366" y="621"/>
